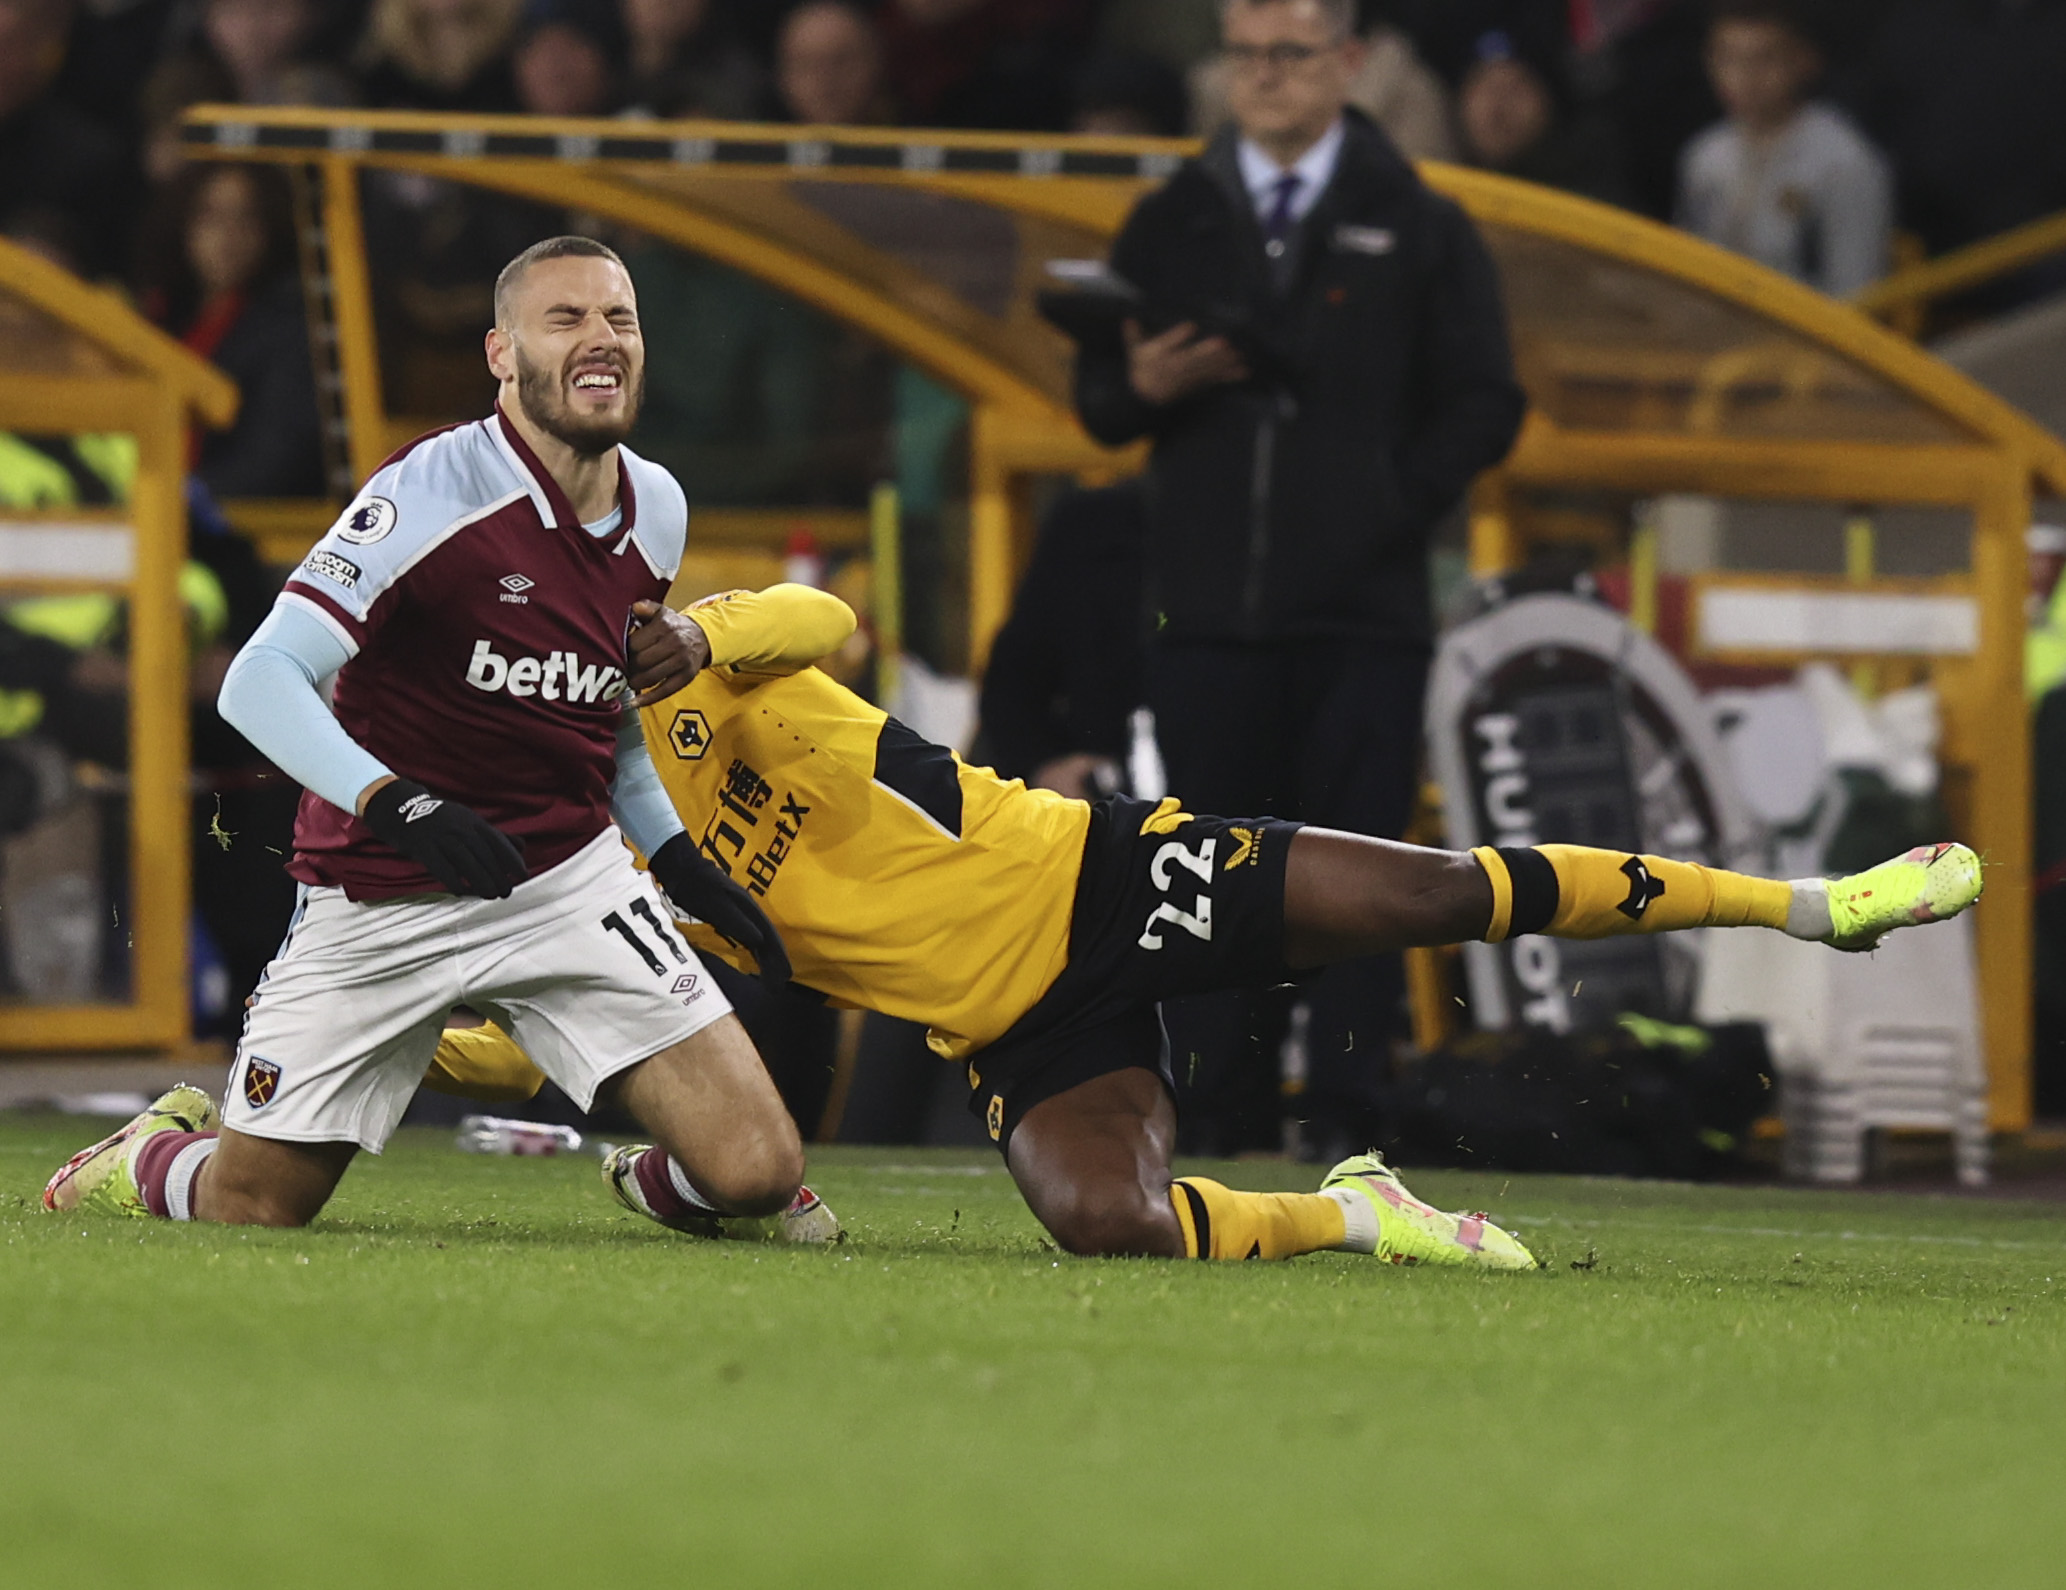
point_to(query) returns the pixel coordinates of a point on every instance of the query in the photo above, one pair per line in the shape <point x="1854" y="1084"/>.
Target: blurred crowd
<point x="1809" y="134"/>
<point x="1802" y="133"/>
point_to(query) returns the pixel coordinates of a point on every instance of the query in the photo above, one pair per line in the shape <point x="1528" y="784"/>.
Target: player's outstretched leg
<point x="1346" y="895"/>
<point x="1094" y="1165"/>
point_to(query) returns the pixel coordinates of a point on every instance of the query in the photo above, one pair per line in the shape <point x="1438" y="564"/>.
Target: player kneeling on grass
<point x="1035" y="934"/>
<point x="482" y="606"/>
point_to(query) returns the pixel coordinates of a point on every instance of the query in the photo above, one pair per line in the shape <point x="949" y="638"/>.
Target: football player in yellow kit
<point x="1034" y="934"/>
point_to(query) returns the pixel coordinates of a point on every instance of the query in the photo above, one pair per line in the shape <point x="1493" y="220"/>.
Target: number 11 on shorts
<point x="1197" y="922"/>
<point x="616" y="924"/>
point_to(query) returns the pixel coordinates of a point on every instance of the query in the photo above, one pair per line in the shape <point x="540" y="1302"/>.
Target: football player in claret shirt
<point x="1034" y="934"/>
<point x="480" y="605"/>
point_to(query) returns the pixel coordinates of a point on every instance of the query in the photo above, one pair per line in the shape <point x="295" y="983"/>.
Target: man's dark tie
<point x="1277" y="224"/>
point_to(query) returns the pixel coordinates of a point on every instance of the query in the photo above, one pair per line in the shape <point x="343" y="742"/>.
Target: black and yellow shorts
<point x="1167" y="904"/>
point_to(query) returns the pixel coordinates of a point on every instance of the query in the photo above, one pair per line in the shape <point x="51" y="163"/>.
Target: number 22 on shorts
<point x="1197" y="923"/>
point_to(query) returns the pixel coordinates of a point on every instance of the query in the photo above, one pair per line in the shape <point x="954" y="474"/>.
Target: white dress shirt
<point x="1314" y="168"/>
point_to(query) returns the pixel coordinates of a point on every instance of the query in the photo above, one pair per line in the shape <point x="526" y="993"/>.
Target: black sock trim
<point x="1201" y="1218"/>
<point x="1535" y="890"/>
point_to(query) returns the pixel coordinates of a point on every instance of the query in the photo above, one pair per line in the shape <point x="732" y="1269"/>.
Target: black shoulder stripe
<point x="920" y="771"/>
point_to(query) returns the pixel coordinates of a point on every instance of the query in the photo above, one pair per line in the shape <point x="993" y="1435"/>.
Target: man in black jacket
<point x="1323" y="369"/>
<point x="1066" y="672"/>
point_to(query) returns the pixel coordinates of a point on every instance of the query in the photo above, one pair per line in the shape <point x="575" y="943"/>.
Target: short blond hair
<point x="569" y="247"/>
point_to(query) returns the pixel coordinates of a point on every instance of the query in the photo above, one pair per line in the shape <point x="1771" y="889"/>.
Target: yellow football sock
<point x="1576" y="892"/>
<point x="1220" y="1223"/>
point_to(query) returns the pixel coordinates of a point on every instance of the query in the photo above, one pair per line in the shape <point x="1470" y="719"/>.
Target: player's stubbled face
<point x="580" y="360"/>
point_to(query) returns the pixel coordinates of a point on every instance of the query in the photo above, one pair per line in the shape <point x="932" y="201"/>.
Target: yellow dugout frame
<point x="89" y="363"/>
<point x="1905" y="295"/>
<point x="1655" y="363"/>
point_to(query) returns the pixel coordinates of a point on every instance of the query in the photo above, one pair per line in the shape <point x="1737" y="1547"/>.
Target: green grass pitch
<point x="479" y="1372"/>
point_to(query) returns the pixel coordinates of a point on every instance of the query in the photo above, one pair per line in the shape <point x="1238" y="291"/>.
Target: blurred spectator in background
<point x="983" y="63"/>
<point x="828" y="67"/>
<point x="1448" y="33"/>
<point x="254" y="51"/>
<point x="1391" y="86"/>
<point x="688" y="60"/>
<point x="1627" y="78"/>
<point x="1793" y="184"/>
<point x="566" y="61"/>
<point x="1357" y="378"/>
<point x="220" y="273"/>
<point x="1068" y="668"/>
<point x="1178" y="33"/>
<point x="1513" y="117"/>
<point x="1967" y="96"/>
<point x="440" y="54"/>
<point x="113" y="48"/>
<point x="1128" y="96"/>
<point x="1639" y="65"/>
<point x="179" y="81"/>
<point x="260" y="43"/>
<point x="1643" y="63"/>
<point x="434" y="246"/>
<point x="63" y="178"/>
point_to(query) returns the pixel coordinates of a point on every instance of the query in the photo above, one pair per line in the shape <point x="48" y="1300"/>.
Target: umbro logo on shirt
<point x="514" y="586"/>
<point x="558" y="676"/>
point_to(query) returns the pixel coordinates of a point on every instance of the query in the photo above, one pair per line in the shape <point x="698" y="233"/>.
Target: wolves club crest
<point x="261" y="1082"/>
<point x="689" y="734"/>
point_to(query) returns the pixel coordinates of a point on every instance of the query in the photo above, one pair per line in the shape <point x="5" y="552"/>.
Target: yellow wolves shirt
<point x="901" y="879"/>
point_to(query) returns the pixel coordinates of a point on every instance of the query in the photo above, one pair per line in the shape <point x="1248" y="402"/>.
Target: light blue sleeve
<point x="638" y="800"/>
<point x="270" y="697"/>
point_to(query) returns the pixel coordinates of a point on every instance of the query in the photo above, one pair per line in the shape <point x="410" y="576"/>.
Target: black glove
<point x="455" y="844"/>
<point x="699" y="888"/>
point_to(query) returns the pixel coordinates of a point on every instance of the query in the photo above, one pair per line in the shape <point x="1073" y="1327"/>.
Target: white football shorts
<point x="582" y="965"/>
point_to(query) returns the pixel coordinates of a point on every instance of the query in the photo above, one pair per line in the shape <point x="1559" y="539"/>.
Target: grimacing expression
<point x="580" y="359"/>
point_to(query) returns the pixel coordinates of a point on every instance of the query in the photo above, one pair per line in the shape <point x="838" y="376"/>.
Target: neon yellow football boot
<point x="1411" y="1232"/>
<point x="1929" y="884"/>
<point x="103" y="1178"/>
<point x="807" y="1220"/>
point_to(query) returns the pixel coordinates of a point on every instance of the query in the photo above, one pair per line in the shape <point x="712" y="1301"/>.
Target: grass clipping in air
<point x="479" y="1371"/>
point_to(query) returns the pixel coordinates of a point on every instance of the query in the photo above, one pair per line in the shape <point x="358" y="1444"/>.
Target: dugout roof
<point x="937" y="242"/>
